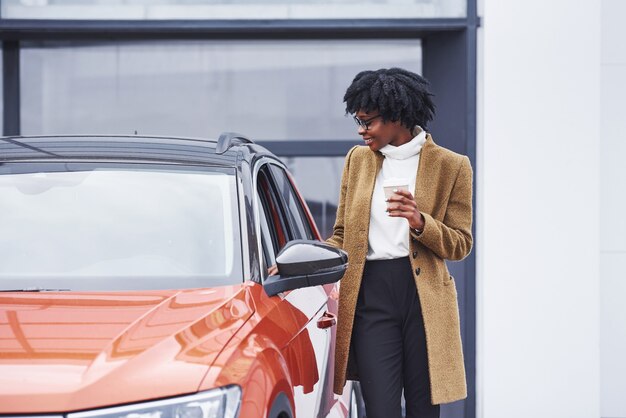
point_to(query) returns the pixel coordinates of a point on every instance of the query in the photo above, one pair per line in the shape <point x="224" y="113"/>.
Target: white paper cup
<point x="391" y="184"/>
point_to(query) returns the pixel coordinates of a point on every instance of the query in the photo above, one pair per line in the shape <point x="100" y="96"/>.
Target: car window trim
<point x="298" y="203"/>
<point x="258" y="165"/>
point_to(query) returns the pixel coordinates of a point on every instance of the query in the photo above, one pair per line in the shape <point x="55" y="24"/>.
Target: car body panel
<point x="71" y="351"/>
<point x="274" y="352"/>
<point x="74" y="351"/>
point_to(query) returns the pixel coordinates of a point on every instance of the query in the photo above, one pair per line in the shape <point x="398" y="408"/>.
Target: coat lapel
<point x="421" y="182"/>
<point x="368" y="182"/>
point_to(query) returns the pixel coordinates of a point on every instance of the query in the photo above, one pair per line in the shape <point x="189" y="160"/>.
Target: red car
<point x="138" y="279"/>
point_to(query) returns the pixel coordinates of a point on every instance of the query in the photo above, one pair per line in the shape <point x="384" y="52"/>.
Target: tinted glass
<point x="272" y="210"/>
<point x="267" y="240"/>
<point x="318" y="180"/>
<point x="125" y="227"/>
<point x="294" y="211"/>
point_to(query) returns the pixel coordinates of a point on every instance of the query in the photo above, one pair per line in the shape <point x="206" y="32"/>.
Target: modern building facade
<point x="530" y="91"/>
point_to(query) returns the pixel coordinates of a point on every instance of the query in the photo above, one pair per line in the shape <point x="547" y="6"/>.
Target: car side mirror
<point x="304" y="263"/>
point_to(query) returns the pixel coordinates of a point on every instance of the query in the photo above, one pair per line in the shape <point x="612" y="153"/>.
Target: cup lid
<point x="395" y="181"/>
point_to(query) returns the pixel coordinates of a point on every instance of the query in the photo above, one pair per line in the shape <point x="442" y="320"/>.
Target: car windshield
<point x="117" y="227"/>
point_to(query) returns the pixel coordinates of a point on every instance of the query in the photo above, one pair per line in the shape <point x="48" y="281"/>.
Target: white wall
<point x="613" y="210"/>
<point x="538" y="209"/>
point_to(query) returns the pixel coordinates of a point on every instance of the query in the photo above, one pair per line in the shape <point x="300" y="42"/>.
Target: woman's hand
<point x="272" y="270"/>
<point x="402" y="204"/>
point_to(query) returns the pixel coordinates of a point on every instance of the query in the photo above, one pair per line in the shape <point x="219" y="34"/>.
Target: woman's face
<point x="376" y="133"/>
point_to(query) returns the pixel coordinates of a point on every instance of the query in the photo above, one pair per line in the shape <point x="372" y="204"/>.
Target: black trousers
<point x="389" y="343"/>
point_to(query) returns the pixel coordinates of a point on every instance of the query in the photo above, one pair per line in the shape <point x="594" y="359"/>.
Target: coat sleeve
<point x="336" y="240"/>
<point x="452" y="238"/>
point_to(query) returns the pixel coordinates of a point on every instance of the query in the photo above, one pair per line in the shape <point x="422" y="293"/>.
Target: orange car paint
<point x="62" y="352"/>
<point x="73" y="351"/>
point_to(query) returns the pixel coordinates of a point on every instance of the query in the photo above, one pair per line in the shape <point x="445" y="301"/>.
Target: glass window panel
<point x="294" y="211"/>
<point x="276" y="90"/>
<point x="231" y="9"/>
<point x="271" y="206"/>
<point x="83" y="225"/>
<point x="269" y="253"/>
<point x="318" y="180"/>
<point x="1" y="95"/>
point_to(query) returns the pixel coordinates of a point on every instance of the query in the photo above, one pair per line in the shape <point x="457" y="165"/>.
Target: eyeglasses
<point x="365" y="124"/>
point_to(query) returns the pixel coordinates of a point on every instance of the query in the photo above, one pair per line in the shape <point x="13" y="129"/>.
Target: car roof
<point x="130" y="148"/>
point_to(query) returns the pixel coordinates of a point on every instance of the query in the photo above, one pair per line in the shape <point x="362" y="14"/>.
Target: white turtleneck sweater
<point x="389" y="236"/>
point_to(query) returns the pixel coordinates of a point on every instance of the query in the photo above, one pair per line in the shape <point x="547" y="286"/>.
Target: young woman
<point x="398" y="325"/>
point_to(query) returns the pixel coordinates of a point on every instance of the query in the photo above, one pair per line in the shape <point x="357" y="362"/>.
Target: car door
<point x="309" y="351"/>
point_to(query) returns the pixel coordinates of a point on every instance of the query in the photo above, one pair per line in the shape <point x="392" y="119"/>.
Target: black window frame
<point x="262" y="175"/>
<point x="277" y="171"/>
<point x="268" y="249"/>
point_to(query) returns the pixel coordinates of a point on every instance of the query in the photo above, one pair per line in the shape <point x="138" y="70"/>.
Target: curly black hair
<point x="397" y="94"/>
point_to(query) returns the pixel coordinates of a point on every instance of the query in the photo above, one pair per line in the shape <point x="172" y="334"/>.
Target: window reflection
<point x="119" y="224"/>
<point x="318" y="180"/>
<point x="277" y="90"/>
<point x="231" y="9"/>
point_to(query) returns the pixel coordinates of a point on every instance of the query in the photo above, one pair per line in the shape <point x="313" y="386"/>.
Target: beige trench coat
<point x="443" y="193"/>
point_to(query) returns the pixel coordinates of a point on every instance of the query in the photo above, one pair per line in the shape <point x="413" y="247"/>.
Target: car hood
<point x="72" y="351"/>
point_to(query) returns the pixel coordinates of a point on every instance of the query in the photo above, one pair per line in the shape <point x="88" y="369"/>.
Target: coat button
<point x="417" y="271"/>
<point x="413" y="239"/>
<point x="414" y="254"/>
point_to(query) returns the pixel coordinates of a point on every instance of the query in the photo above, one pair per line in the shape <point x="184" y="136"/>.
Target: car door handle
<point x="327" y="320"/>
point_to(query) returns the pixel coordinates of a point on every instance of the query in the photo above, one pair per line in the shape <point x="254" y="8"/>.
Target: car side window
<point x="271" y="213"/>
<point x="294" y="212"/>
<point x="267" y="242"/>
